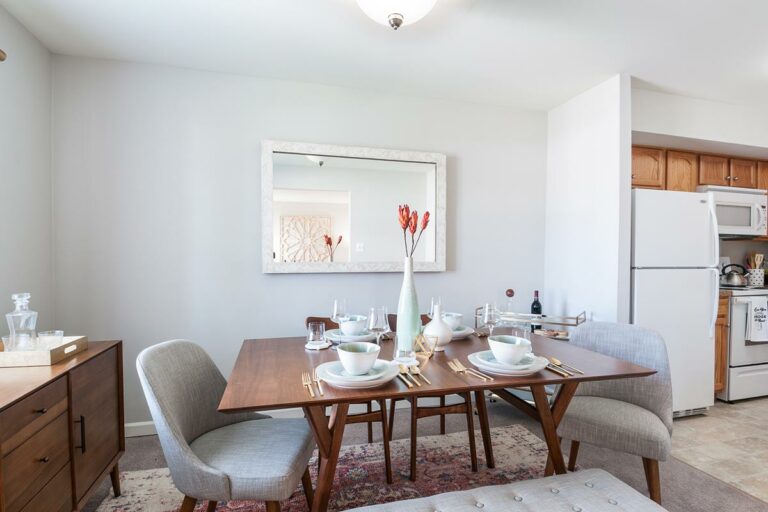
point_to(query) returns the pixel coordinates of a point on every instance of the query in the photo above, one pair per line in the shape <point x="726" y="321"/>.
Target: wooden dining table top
<point x="267" y="373"/>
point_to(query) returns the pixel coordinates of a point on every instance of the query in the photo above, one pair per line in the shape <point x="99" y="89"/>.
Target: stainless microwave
<point x="739" y="211"/>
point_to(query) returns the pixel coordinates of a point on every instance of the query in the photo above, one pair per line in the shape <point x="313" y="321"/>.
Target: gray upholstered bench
<point x="591" y="490"/>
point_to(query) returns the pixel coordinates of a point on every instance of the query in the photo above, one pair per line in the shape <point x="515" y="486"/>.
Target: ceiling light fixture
<point x="396" y="13"/>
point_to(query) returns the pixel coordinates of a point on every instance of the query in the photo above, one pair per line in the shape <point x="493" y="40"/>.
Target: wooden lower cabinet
<point x="721" y="342"/>
<point x="61" y="430"/>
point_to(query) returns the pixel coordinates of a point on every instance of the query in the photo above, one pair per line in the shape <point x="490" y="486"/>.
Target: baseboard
<point x="147" y="428"/>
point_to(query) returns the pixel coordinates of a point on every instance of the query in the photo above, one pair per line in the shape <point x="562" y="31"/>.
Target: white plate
<point x="540" y="364"/>
<point x="462" y="332"/>
<point x="390" y="373"/>
<point x="339" y="337"/>
<point x="489" y="359"/>
<point x="336" y="370"/>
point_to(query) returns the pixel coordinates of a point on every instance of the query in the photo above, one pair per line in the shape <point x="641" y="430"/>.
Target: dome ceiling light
<point x="396" y="13"/>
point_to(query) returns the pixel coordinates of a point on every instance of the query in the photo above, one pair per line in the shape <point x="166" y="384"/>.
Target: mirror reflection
<point x="344" y="209"/>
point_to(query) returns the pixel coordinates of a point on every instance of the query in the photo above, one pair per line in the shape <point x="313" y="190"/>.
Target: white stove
<point x="747" y="374"/>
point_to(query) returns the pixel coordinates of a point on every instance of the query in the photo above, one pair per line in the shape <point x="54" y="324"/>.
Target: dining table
<point x="268" y="376"/>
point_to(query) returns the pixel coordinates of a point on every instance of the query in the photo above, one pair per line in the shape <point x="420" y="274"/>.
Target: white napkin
<point x="757" y="319"/>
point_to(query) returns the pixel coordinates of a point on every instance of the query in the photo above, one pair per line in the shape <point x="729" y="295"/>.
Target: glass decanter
<point x="21" y="323"/>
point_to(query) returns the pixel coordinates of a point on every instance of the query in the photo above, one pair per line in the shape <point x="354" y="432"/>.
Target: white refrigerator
<point x="675" y="286"/>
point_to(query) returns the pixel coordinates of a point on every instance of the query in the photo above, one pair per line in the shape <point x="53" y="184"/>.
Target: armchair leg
<point x="306" y="483"/>
<point x="212" y="504"/>
<point x="572" y="455"/>
<point x="273" y="506"/>
<point x="188" y="505"/>
<point x="651" y="467"/>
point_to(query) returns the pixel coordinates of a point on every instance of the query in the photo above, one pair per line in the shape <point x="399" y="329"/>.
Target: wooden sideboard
<point x="61" y="430"/>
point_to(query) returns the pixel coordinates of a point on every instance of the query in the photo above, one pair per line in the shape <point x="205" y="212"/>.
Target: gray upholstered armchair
<point x="628" y="415"/>
<point x="214" y="456"/>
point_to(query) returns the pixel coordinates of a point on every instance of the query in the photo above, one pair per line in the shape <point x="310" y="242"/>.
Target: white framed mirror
<point x="312" y="191"/>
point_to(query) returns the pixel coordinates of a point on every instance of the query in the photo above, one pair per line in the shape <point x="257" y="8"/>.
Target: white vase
<point x="408" y="316"/>
<point x="439" y="329"/>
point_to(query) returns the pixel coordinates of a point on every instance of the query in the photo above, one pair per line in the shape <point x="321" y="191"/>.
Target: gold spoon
<point x="416" y="371"/>
<point x="559" y="363"/>
<point x="405" y="373"/>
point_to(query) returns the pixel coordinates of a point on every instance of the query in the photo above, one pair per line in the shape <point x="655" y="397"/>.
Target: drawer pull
<point x="81" y="421"/>
<point x="45" y="460"/>
<point x="42" y="411"/>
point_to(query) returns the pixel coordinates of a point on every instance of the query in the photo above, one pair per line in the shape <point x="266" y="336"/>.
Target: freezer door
<point x="681" y="305"/>
<point x="673" y="229"/>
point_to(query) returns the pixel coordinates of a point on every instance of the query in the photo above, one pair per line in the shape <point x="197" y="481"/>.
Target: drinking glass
<point x="339" y="310"/>
<point x="404" y="353"/>
<point x="490" y="317"/>
<point x="378" y="322"/>
<point x="50" y="339"/>
<point x="316" y="333"/>
<point x="436" y="301"/>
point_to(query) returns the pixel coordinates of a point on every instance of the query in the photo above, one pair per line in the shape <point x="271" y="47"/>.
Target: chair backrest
<point x="183" y="388"/>
<point x="393" y="320"/>
<point x="636" y="345"/>
<point x="329" y="324"/>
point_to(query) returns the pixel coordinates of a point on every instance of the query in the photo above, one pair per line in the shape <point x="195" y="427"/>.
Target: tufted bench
<point x="591" y="490"/>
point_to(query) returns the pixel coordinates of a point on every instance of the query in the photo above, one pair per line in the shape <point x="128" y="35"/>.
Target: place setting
<point x="510" y="356"/>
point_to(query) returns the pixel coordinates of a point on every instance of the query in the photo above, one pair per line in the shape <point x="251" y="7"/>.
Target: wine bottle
<point x="535" y="310"/>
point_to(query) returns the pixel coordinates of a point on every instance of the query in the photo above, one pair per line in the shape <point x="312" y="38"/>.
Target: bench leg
<point x="211" y="506"/>
<point x="273" y="506"/>
<point x="574" y="453"/>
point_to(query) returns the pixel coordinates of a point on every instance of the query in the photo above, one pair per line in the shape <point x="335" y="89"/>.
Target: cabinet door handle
<point x="45" y="460"/>
<point x="41" y="411"/>
<point x="735" y="178"/>
<point x="81" y="421"/>
<point x="727" y="177"/>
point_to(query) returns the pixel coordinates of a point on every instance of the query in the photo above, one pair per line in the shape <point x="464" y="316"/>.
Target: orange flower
<point x="414" y="223"/>
<point x="328" y="240"/>
<point x="404" y="215"/>
<point x="424" y="221"/>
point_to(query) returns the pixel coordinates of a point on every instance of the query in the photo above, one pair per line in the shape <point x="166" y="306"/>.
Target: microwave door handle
<point x="760" y="217"/>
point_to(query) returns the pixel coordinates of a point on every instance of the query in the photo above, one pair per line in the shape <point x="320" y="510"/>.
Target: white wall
<point x="588" y="208"/>
<point x="681" y="116"/>
<point x="25" y="184"/>
<point x="157" y="203"/>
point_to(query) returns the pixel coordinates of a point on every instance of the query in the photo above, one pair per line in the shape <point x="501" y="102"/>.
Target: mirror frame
<point x="437" y="219"/>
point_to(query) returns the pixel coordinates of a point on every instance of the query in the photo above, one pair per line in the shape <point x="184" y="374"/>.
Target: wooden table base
<point x="328" y="434"/>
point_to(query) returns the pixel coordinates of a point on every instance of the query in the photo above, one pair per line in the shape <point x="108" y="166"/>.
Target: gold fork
<point x="471" y="371"/>
<point x="306" y="380"/>
<point x="404" y="371"/>
<point x="317" y="381"/>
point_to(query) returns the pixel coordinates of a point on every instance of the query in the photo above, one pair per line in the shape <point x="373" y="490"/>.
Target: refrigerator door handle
<point x="715" y="300"/>
<point x="715" y="233"/>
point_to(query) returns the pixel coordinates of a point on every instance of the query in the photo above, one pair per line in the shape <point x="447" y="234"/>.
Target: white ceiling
<point x="526" y="53"/>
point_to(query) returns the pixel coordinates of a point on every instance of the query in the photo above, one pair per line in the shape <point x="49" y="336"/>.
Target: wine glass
<point x="339" y="310"/>
<point x="490" y="317"/>
<point x="436" y="301"/>
<point x="378" y="322"/>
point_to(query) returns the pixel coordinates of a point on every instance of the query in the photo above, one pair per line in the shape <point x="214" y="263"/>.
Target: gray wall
<point x="157" y="208"/>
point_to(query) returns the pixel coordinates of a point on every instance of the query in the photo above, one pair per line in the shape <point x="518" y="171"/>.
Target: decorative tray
<point x="72" y="345"/>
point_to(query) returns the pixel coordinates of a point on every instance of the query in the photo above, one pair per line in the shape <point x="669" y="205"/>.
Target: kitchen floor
<point x="730" y="443"/>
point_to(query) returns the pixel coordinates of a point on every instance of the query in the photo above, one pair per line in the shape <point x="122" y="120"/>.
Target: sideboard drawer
<point x="28" y="468"/>
<point x="20" y="421"/>
<point x="56" y="496"/>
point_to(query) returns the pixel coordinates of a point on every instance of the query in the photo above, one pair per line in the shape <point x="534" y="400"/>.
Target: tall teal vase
<point x="408" y="316"/>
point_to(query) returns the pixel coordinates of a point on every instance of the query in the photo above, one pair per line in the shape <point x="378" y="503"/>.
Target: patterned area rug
<point x="443" y="465"/>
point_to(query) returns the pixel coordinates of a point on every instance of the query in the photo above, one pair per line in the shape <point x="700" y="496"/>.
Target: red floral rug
<point x="443" y="466"/>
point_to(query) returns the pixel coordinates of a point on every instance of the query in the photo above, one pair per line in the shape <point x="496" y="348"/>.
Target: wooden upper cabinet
<point x="648" y="167"/>
<point x="762" y="175"/>
<point x="713" y="170"/>
<point x="682" y="171"/>
<point x="743" y="173"/>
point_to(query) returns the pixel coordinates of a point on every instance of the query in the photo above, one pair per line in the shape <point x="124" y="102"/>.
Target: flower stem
<point x="405" y="244"/>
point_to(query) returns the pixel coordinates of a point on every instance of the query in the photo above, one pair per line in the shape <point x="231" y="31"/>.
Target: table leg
<point x="485" y="429"/>
<point x="328" y="438"/>
<point x="550" y="419"/>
